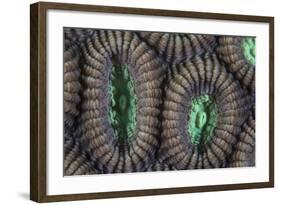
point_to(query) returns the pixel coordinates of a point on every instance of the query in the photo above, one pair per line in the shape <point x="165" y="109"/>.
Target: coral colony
<point x="149" y="101"/>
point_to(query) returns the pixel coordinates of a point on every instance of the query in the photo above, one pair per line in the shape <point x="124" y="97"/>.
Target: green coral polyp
<point x="202" y="119"/>
<point x="249" y="49"/>
<point x="122" y="107"/>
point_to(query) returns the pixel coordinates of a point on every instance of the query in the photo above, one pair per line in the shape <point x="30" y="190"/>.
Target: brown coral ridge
<point x="78" y="35"/>
<point x="76" y="159"/>
<point x="244" y="150"/>
<point x="175" y="48"/>
<point x="230" y="50"/>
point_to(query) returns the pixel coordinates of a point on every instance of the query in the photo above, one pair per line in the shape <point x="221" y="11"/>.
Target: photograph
<point x="130" y="101"/>
<point x="143" y="101"/>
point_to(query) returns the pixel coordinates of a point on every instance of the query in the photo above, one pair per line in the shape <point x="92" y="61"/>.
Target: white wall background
<point x="14" y="101"/>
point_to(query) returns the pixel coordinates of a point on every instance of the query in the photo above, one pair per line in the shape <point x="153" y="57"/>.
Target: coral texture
<point x="239" y="54"/>
<point x="150" y="101"/>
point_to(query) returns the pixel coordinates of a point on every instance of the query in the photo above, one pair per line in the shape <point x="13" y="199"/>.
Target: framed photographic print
<point x="134" y="102"/>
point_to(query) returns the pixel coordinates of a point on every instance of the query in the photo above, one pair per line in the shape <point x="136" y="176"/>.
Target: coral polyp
<point x="138" y="101"/>
<point x="223" y="106"/>
<point x="202" y="119"/>
<point x="249" y="49"/>
<point x="122" y="106"/>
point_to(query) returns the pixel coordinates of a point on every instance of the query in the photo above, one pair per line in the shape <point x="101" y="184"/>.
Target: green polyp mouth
<point x="249" y="49"/>
<point x="202" y="119"/>
<point x="122" y="106"/>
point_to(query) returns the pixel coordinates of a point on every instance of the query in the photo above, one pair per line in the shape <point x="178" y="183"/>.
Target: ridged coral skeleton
<point x="239" y="54"/>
